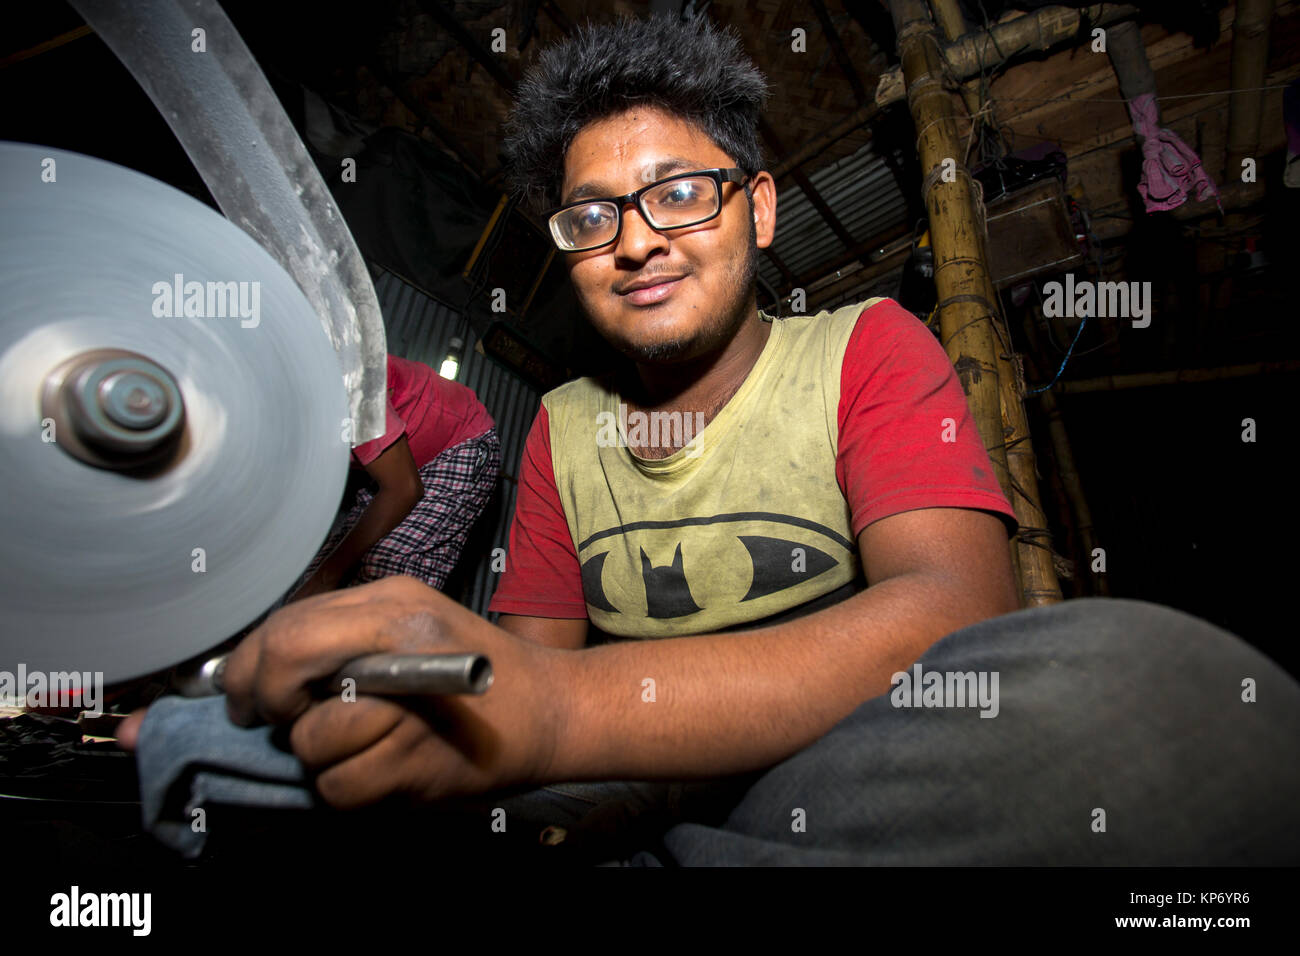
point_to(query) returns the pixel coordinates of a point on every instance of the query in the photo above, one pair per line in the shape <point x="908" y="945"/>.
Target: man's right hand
<point x="365" y="749"/>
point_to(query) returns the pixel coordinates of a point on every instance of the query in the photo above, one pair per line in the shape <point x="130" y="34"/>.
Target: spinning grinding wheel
<point x="197" y="413"/>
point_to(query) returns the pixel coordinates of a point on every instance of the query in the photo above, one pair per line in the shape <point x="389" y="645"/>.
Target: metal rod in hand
<point x="387" y="674"/>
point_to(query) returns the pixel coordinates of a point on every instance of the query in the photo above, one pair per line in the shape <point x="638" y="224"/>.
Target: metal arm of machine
<point x="189" y="59"/>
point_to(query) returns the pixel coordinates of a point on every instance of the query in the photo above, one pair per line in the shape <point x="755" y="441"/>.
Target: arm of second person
<point x="400" y="489"/>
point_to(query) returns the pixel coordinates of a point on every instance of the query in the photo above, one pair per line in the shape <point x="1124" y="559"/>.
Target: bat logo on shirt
<point x="684" y="566"/>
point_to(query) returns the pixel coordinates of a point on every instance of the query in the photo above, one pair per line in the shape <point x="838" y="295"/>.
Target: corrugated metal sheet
<point x="421" y="329"/>
<point x="862" y="192"/>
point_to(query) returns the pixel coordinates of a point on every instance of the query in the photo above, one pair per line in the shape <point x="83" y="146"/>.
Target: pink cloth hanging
<point x="1170" y="169"/>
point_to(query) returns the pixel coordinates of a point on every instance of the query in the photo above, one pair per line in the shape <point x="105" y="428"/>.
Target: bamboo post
<point x="947" y="13"/>
<point x="1249" y="66"/>
<point x="1038" y="571"/>
<point x="1070" y="539"/>
<point x="1250" y="30"/>
<point x="1073" y="486"/>
<point x="1038" y="574"/>
<point x="1128" y="58"/>
<point x="967" y="311"/>
<point x="820" y="298"/>
<point x="1067" y="469"/>
<point x="1110" y="383"/>
<point x="1040" y="30"/>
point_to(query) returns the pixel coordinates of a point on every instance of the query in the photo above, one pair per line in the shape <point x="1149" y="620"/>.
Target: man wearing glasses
<point x="760" y="586"/>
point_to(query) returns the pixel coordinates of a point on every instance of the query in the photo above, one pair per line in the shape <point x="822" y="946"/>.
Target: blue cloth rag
<point x="190" y="756"/>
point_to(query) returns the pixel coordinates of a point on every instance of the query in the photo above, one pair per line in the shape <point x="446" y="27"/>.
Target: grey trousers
<point x="1124" y="734"/>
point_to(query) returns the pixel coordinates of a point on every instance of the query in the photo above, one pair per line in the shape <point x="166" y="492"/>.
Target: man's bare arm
<point x="565" y="633"/>
<point x="723" y="703"/>
<point x="728" y="703"/>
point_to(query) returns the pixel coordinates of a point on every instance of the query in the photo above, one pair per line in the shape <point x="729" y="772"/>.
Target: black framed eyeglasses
<point x="686" y="199"/>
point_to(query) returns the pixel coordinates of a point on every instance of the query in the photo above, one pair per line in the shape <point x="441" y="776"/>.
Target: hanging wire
<point x="1057" y="376"/>
<point x="1095" y="243"/>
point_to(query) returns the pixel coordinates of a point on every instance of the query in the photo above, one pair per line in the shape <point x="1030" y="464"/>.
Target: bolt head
<point x="133" y="399"/>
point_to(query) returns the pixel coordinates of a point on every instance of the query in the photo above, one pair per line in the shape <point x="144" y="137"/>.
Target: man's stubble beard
<point x="727" y="320"/>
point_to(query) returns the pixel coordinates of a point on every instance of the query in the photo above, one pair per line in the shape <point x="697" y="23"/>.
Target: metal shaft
<point x="382" y="674"/>
<point x="416" y="674"/>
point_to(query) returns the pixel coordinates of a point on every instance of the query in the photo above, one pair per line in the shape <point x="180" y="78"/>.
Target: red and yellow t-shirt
<point x="846" y="417"/>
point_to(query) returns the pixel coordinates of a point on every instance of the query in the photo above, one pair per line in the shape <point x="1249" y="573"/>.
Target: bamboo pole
<point x="855" y="281"/>
<point x="1110" y="383"/>
<point x="947" y="13"/>
<point x="1070" y="538"/>
<point x="1038" y="571"/>
<point x="1250" y="28"/>
<point x="1073" y="485"/>
<point x="1066" y="468"/>
<point x="967" y="309"/>
<point x="46" y="47"/>
<point x="1032" y="32"/>
<point x="1249" y="65"/>
<point x="1128" y="58"/>
<point x="1039" y="583"/>
<point x="1233" y="196"/>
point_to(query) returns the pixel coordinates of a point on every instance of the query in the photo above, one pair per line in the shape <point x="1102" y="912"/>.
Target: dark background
<point x="1189" y="514"/>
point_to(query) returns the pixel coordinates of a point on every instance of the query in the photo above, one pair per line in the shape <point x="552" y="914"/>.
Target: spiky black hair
<point x="691" y="68"/>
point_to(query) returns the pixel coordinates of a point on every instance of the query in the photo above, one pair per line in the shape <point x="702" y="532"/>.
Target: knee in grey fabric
<point x="1121" y="738"/>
